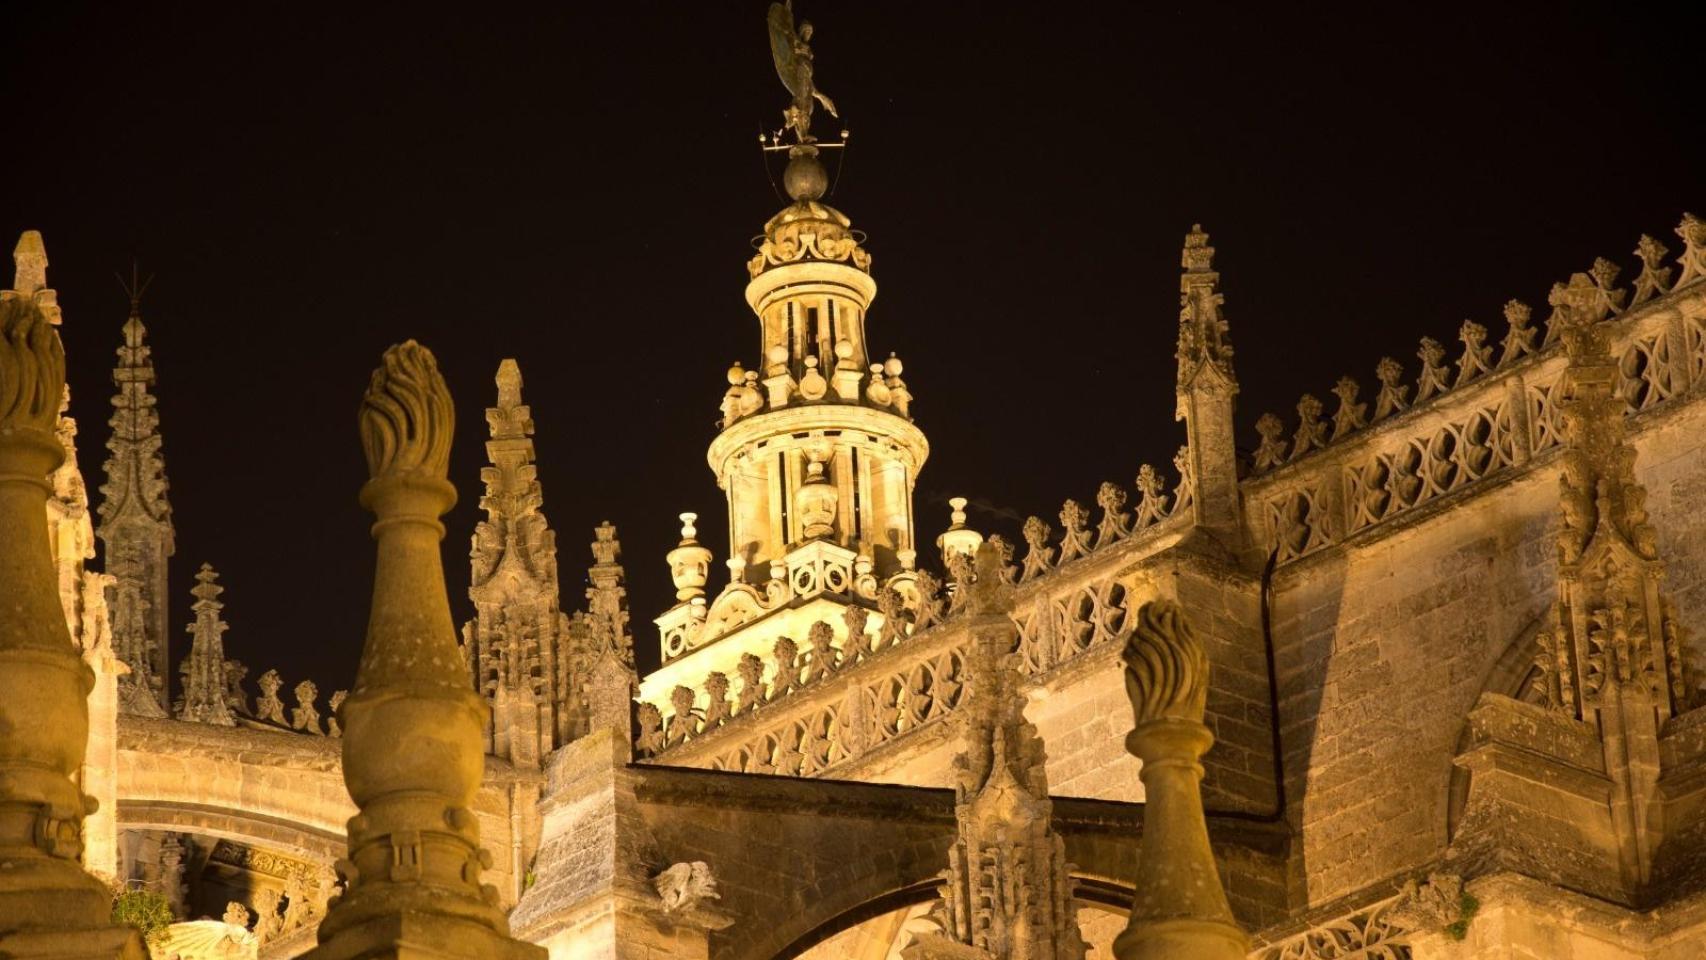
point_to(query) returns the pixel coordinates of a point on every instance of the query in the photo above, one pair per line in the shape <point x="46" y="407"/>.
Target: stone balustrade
<point x="814" y="706"/>
<point x="1370" y="932"/>
<point x="1334" y="480"/>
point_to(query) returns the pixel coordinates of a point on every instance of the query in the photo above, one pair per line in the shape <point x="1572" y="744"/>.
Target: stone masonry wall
<point x="1383" y="648"/>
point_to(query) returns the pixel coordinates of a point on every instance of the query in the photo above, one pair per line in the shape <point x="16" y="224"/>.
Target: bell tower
<point x="817" y="441"/>
<point x="817" y="452"/>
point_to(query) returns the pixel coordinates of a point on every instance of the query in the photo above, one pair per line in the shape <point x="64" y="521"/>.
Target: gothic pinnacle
<point x="136" y="527"/>
<point x="30" y="258"/>
<point x="204" y="669"/>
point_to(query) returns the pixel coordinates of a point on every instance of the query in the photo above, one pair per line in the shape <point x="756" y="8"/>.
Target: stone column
<point x="49" y="906"/>
<point x="1180" y="912"/>
<point x="412" y="744"/>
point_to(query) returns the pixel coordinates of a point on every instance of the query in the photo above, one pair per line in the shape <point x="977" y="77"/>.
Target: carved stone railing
<point x="271" y="711"/>
<point x="1369" y="933"/>
<point x="842" y="718"/>
<point x="808" y="712"/>
<point x="1487" y="420"/>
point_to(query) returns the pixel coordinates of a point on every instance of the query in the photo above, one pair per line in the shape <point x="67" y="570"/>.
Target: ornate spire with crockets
<point x="1007" y="892"/>
<point x="204" y="669"/>
<point x="514" y="641"/>
<point x="1204" y="348"/>
<point x="601" y="653"/>
<point x="1615" y="654"/>
<point x="136" y="525"/>
<point x="1205" y="392"/>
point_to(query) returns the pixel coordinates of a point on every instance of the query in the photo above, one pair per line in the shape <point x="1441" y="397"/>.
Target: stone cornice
<point x="827" y="415"/>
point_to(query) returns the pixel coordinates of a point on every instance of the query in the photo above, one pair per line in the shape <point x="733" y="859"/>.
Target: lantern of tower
<point x="818" y="454"/>
<point x="827" y="416"/>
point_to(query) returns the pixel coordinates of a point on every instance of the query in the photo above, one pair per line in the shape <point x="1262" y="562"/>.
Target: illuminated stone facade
<point x="1441" y="645"/>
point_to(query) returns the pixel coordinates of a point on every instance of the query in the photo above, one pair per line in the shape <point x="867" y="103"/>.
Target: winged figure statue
<point x="791" y="49"/>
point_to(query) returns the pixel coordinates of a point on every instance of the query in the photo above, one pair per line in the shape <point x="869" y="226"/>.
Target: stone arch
<point x="273" y="778"/>
<point x="305" y="841"/>
<point x="1513" y="675"/>
<point x="894" y="900"/>
<point x="1092" y="893"/>
<point x="1102" y="861"/>
<point x="859" y="888"/>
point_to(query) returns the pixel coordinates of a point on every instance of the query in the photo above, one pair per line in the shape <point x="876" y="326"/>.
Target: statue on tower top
<point x="791" y="49"/>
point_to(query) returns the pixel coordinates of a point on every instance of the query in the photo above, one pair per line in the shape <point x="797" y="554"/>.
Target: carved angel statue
<point x="791" y="49"/>
<point x="684" y="886"/>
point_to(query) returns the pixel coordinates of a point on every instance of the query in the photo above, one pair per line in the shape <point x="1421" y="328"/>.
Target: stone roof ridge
<point x="1443" y="371"/>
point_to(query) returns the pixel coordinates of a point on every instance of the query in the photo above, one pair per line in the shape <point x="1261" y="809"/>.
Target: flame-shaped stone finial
<point x="1180" y="909"/>
<point x="32" y="367"/>
<point x="406" y="416"/>
<point x="1166" y="670"/>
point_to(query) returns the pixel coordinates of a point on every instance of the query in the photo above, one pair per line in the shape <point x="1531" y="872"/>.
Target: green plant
<point x="529" y="880"/>
<point x="1467" y="906"/>
<point x="146" y="910"/>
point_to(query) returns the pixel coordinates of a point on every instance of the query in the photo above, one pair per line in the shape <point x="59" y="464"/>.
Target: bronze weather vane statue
<point x="791" y="49"/>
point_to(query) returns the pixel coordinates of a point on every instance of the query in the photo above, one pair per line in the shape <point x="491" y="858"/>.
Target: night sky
<point x="579" y="189"/>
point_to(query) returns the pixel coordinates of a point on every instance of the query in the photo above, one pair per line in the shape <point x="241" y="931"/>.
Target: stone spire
<point x="518" y="626"/>
<point x="204" y="669"/>
<point x="1007" y="893"/>
<point x="1206" y="388"/>
<point x="603" y="656"/>
<point x="1180" y="909"/>
<point x="412" y="741"/>
<point x="136" y="526"/>
<point x="1614" y="655"/>
<point x="49" y="906"/>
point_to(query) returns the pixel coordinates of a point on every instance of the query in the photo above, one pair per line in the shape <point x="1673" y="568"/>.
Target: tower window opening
<point x="819" y="337"/>
<point x="796" y="331"/>
<point x="785" y="499"/>
<point x="857" y="513"/>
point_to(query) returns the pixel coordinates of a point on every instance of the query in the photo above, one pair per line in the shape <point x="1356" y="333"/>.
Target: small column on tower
<point x="959" y="540"/>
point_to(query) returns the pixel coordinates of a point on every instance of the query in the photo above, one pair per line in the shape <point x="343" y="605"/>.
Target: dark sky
<point x="577" y="189"/>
